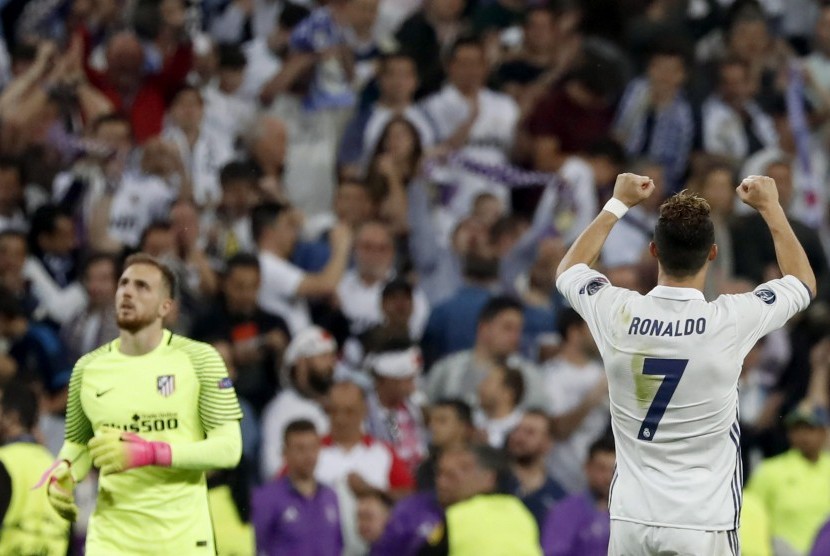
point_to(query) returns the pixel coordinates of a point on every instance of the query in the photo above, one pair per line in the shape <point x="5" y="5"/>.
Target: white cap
<point x="396" y="364"/>
<point x="308" y="343"/>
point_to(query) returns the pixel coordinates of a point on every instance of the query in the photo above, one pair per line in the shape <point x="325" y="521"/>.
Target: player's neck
<point x="574" y="354"/>
<point x="140" y="342"/>
<point x="531" y="477"/>
<point x="306" y="486"/>
<point x="696" y="282"/>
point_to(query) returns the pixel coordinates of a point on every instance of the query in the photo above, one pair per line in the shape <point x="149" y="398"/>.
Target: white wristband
<point x="616" y="207"/>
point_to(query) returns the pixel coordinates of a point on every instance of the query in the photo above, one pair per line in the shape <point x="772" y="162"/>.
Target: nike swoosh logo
<point x="99" y="394"/>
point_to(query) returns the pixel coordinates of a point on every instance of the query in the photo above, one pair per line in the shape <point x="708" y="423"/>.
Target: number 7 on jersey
<point x="672" y="371"/>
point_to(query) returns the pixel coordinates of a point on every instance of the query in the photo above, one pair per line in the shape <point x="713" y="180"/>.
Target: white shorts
<point x="636" y="539"/>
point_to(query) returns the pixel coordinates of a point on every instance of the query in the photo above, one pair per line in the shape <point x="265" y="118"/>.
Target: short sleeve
<point x="765" y="309"/>
<point x="280" y="277"/>
<point x="590" y="294"/>
<point x="218" y="403"/>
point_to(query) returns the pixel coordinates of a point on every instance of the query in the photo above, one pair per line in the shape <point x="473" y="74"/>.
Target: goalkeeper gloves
<point x="60" y="489"/>
<point x="114" y="451"/>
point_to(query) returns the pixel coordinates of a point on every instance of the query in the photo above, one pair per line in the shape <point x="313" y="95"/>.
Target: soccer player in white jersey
<point x="673" y="361"/>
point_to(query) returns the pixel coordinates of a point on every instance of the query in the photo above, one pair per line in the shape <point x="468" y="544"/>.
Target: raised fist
<point x="759" y="192"/>
<point x="632" y="189"/>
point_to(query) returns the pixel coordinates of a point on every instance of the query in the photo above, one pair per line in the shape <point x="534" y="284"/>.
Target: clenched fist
<point x="759" y="192"/>
<point x="632" y="189"/>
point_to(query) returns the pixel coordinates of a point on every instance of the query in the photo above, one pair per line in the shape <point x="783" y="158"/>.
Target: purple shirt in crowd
<point x="576" y="527"/>
<point x="290" y="524"/>
<point x="411" y="522"/>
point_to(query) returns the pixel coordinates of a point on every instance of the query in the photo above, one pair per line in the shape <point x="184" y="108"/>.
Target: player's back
<point x="673" y="362"/>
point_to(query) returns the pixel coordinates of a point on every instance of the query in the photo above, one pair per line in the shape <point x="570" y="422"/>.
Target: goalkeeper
<point x="152" y="410"/>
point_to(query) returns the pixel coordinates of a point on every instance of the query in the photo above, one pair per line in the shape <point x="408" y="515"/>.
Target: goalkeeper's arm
<point x="114" y="451"/>
<point x="221" y="449"/>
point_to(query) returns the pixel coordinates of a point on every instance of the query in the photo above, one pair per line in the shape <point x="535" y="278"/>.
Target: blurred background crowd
<point x="365" y="202"/>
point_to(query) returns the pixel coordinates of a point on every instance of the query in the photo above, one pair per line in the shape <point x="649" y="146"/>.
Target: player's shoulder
<point x="95" y="354"/>
<point x="190" y="347"/>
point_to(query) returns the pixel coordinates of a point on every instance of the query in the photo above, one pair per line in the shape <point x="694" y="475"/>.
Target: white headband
<point x="396" y="364"/>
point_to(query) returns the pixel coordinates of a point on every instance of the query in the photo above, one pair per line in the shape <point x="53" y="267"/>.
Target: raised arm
<point x="629" y="190"/>
<point x="761" y="193"/>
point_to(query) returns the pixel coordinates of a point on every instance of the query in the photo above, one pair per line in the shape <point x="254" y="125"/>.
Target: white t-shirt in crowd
<point x="491" y="137"/>
<point x="497" y="430"/>
<point x="673" y="360"/>
<point x="229" y="115"/>
<point x="628" y="241"/>
<point x="286" y="407"/>
<point x="212" y="150"/>
<point x="567" y="385"/>
<point x="139" y="201"/>
<point x="262" y="65"/>
<point x="360" y="303"/>
<point x="278" y="291"/>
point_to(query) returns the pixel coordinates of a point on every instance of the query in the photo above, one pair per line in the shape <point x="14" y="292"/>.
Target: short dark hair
<point x="24" y="52"/>
<point x="98" y="257"/>
<point x="462" y="409"/>
<point x="496" y="306"/>
<point x="17" y="234"/>
<point x="567" y="319"/>
<point x="464" y="42"/>
<point x="504" y="226"/>
<point x="156" y="226"/>
<point x="263" y="216"/>
<point x="493" y="460"/>
<point x="393" y="343"/>
<point x="111" y="118"/>
<point x="13" y="163"/>
<point x="44" y="221"/>
<point x="385" y="59"/>
<point x="514" y="381"/>
<point x="21" y="399"/>
<point x="604" y="444"/>
<point x="670" y="47"/>
<point x="230" y="56"/>
<point x="168" y="277"/>
<point x="298" y="426"/>
<point x="481" y="268"/>
<point x="609" y="148"/>
<point x="10" y="305"/>
<point x="542" y="414"/>
<point x="731" y="61"/>
<point x="291" y="15"/>
<point x="238" y="170"/>
<point x="241" y="260"/>
<point x="187" y="89"/>
<point x="684" y="234"/>
<point x="599" y="75"/>
<point x="396" y="285"/>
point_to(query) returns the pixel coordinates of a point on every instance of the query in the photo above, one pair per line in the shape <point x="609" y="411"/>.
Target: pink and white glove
<point x="114" y="451"/>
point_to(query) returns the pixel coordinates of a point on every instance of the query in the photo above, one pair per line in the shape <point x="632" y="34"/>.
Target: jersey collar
<point x="679" y="294"/>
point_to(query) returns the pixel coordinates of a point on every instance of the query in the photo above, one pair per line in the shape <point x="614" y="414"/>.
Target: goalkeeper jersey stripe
<point x="176" y="393"/>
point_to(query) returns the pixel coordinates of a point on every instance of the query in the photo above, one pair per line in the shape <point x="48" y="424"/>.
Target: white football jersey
<point x="673" y="361"/>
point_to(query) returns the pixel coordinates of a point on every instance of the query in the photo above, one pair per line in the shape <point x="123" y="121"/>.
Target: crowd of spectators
<point x="365" y="202"/>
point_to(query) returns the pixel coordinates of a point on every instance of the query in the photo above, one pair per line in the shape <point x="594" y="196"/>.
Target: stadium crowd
<point x="365" y="202"/>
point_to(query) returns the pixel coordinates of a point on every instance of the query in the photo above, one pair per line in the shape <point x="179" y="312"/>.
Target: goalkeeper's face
<point x="142" y="299"/>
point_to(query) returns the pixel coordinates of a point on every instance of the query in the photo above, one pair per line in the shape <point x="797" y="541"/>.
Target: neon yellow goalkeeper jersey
<point x="176" y="393"/>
